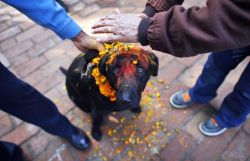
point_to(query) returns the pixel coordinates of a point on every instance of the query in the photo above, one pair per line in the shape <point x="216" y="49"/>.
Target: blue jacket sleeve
<point x="49" y="14"/>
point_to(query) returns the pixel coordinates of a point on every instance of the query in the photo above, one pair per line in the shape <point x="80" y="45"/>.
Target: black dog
<point x="126" y="76"/>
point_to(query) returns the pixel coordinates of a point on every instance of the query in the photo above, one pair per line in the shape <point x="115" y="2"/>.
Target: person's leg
<point x="10" y="152"/>
<point x="217" y="67"/>
<point x="23" y="101"/>
<point x="236" y="106"/>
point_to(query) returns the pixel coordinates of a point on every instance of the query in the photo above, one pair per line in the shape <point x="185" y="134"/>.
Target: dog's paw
<point x="136" y="110"/>
<point x="96" y="134"/>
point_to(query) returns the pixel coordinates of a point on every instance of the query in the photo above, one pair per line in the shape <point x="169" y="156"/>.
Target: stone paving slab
<point x="159" y="133"/>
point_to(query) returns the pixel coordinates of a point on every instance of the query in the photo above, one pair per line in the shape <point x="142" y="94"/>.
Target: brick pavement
<point x="158" y="133"/>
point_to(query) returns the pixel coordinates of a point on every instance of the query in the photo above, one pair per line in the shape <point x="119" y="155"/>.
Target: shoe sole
<point x="210" y="134"/>
<point x="175" y="105"/>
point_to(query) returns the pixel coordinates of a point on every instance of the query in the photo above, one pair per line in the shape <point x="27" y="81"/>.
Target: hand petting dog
<point x="123" y="26"/>
<point x="83" y="42"/>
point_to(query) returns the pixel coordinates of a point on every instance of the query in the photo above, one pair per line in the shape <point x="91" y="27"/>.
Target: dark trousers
<point x="23" y="101"/>
<point x="10" y="152"/>
<point x="236" y="105"/>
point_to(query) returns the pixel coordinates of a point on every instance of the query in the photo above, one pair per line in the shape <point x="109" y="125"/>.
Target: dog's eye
<point x="139" y="70"/>
<point x="116" y="70"/>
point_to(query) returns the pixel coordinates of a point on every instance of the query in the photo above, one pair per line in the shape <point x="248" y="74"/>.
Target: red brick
<point x="15" y="121"/>
<point x="65" y="45"/>
<point x="54" y="151"/>
<point x="3" y="26"/>
<point x="41" y="47"/>
<point x="20" y="134"/>
<point x="171" y="71"/>
<point x="192" y="126"/>
<point x="222" y="92"/>
<point x="238" y="149"/>
<point x="176" y="118"/>
<point x="54" y="95"/>
<point x="71" y="2"/>
<point x="65" y="105"/>
<point x="19" y="60"/>
<point x="2" y="114"/>
<point x="5" y="125"/>
<point x="50" y="82"/>
<point x="212" y="147"/>
<point x="177" y="149"/>
<point x="27" y="24"/>
<point x="188" y="61"/>
<point x="18" y="49"/>
<point x="164" y="60"/>
<point x="235" y="74"/>
<point x="37" y="144"/>
<point x="47" y="69"/>
<point x="29" y="33"/>
<point x="15" y="13"/>
<point x="42" y="36"/>
<point x="203" y="59"/>
<point x="89" y="10"/>
<point x="5" y="9"/>
<point x="190" y="76"/>
<point x="4" y="60"/>
<point x="31" y="66"/>
<point x="67" y="155"/>
<point x="247" y="126"/>
<point x="77" y="7"/>
<point x="55" y="53"/>
<point x="4" y="18"/>
<point x="9" y="32"/>
<point x="6" y="44"/>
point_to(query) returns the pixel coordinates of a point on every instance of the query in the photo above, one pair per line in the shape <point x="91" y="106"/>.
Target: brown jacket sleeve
<point x="222" y="24"/>
<point x="154" y="6"/>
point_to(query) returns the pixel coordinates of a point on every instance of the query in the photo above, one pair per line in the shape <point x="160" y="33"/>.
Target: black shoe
<point x="79" y="140"/>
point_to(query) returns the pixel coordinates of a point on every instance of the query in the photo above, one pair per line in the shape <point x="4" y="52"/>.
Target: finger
<point x="93" y="44"/>
<point x="100" y="47"/>
<point x="108" y="17"/>
<point x="110" y="39"/>
<point x="103" y="23"/>
<point x="106" y="29"/>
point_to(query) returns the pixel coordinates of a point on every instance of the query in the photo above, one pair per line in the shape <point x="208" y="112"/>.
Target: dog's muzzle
<point x="127" y="96"/>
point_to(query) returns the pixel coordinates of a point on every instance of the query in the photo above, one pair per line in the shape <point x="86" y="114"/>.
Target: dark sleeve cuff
<point x="143" y="31"/>
<point x="149" y="10"/>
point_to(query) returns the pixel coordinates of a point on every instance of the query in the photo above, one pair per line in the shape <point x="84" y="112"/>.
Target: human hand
<point x="123" y="26"/>
<point x="83" y="42"/>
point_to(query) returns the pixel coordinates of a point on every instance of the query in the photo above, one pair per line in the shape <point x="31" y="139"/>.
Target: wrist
<point x="81" y="35"/>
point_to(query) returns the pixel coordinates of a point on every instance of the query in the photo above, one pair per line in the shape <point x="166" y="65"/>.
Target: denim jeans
<point x="236" y="105"/>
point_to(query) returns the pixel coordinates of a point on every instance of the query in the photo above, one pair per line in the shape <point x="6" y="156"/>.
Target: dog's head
<point x="128" y="72"/>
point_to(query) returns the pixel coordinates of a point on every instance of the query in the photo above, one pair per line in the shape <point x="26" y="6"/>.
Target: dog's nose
<point x="126" y="98"/>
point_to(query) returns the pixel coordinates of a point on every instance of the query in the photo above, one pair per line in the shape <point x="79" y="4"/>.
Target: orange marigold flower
<point x="102" y="78"/>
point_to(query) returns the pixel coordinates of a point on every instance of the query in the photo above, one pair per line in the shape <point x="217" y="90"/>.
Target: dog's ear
<point x="154" y="63"/>
<point x="102" y="64"/>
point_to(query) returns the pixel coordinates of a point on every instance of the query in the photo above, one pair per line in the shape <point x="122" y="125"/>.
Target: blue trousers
<point x="23" y="101"/>
<point x="236" y="105"/>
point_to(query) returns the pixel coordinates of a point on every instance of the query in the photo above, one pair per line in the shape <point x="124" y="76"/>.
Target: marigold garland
<point x="113" y="49"/>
